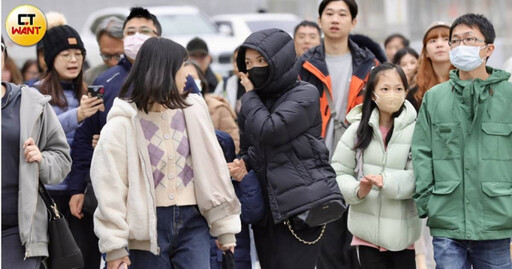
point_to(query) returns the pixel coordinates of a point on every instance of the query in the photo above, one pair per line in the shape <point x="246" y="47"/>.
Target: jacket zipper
<point x="384" y="159"/>
<point x="380" y="193"/>
<point x="27" y="251"/>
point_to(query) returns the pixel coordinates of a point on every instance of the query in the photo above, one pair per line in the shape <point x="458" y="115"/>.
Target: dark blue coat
<point x="251" y="199"/>
<point x="81" y="150"/>
<point x="280" y="132"/>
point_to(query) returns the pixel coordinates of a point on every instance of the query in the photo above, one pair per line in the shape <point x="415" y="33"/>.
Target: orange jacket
<point x="313" y="69"/>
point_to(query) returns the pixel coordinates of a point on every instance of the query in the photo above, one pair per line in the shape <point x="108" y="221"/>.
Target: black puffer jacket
<point x="280" y="128"/>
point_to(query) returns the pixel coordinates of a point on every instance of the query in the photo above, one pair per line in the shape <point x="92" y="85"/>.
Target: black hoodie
<point x="280" y="129"/>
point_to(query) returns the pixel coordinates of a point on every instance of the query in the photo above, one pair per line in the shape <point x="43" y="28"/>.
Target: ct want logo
<point x="25" y="25"/>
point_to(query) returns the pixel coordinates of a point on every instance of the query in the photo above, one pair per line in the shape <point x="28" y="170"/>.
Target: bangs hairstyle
<point x="151" y="79"/>
<point x="352" y="6"/>
<point x="478" y="21"/>
<point x="139" y="12"/>
<point x="426" y="77"/>
<point x="364" y="130"/>
<point x="50" y="85"/>
<point x="402" y="53"/>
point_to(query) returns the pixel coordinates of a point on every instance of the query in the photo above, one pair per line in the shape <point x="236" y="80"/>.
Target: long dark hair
<point x="365" y="131"/>
<point x="50" y="85"/>
<point x="151" y="79"/>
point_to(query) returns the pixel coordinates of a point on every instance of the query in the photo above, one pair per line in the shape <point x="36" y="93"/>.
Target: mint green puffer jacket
<point x="386" y="217"/>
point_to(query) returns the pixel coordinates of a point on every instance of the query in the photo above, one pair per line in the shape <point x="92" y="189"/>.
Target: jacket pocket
<point x="496" y="141"/>
<point x="301" y="169"/>
<point x="497" y="203"/>
<point x="446" y="141"/>
<point x="443" y="209"/>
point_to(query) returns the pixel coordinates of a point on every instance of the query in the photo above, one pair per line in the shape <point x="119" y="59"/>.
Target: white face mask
<point x="466" y="58"/>
<point x="133" y="43"/>
<point x="198" y="84"/>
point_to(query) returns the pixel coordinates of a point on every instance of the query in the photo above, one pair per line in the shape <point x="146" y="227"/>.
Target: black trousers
<point x="13" y="253"/>
<point x="372" y="258"/>
<point x="82" y="230"/>
<point x="336" y="251"/>
<point x="278" y="249"/>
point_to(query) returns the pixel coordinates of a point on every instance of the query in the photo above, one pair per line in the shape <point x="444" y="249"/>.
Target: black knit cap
<point x="197" y="46"/>
<point x="60" y="38"/>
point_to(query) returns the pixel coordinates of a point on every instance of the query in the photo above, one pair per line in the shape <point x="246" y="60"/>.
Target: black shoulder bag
<point x="63" y="250"/>
<point x="90" y="201"/>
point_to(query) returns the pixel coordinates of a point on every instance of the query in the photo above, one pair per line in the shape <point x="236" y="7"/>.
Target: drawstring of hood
<point x="476" y="91"/>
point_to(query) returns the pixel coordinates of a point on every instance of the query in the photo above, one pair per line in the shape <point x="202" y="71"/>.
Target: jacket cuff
<point x="73" y="192"/>
<point x="116" y="254"/>
<point x="76" y="188"/>
<point x="249" y="181"/>
<point x="422" y="208"/>
<point x="356" y="197"/>
<point x="247" y="162"/>
<point x="227" y="240"/>
<point x="389" y="190"/>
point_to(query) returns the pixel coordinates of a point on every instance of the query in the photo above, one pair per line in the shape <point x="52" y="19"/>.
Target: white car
<point x="240" y="26"/>
<point x="179" y="23"/>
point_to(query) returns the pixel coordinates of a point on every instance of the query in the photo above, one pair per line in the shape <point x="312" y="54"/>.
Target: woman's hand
<point x="224" y="249"/>
<point x="365" y="186"/>
<point x="237" y="169"/>
<point x="95" y="139"/>
<point x="116" y="263"/>
<point x="88" y="107"/>
<point x="31" y="151"/>
<point x="376" y="180"/>
<point x="246" y="82"/>
<point x="76" y="203"/>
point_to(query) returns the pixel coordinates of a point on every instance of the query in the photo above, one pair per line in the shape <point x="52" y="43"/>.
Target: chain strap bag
<point x="63" y="250"/>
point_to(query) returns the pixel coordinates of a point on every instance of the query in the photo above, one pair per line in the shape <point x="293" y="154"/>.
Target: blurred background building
<point x="377" y="18"/>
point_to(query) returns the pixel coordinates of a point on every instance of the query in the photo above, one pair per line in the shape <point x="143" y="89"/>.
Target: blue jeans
<point x="183" y="240"/>
<point x="461" y="254"/>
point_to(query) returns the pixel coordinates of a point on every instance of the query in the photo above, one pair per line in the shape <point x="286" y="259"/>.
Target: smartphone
<point x="96" y="91"/>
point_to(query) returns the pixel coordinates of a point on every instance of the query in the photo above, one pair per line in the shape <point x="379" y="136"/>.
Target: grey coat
<point x="38" y="120"/>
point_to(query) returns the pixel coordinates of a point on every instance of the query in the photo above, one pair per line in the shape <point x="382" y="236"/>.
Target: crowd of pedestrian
<point x="319" y="150"/>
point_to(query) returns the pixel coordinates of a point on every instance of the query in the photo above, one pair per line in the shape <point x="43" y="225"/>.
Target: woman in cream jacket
<point x="374" y="171"/>
<point x="158" y="172"/>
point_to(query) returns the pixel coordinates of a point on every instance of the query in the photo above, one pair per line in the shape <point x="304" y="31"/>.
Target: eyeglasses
<point x="468" y="41"/>
<point x="107" y="57"/>
<point x="143" y="30"/>
<point x="68" y="56"/>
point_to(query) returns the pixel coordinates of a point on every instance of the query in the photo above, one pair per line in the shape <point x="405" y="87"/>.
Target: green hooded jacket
<point x="462" y="158"/>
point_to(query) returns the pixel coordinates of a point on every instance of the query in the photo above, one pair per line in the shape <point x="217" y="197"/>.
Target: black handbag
<point x="320" y="215"/>
<point x="90" y="201"/>
<point x="63" y="250"/>
<point x="228" y="260"/>
<point x="316" y="217"/>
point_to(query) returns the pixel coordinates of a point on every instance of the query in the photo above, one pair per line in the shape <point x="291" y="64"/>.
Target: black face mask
<point x="258" y="76"/>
